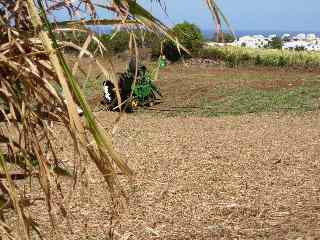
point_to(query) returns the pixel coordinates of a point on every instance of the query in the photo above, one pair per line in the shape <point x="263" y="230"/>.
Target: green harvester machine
<point x="141" y="93"/>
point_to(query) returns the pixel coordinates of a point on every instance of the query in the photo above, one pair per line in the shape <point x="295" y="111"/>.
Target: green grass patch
<point x="250" y="100"/>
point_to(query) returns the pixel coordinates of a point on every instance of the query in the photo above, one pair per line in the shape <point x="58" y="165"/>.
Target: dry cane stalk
<point x="54" y="59"/>
<point x="23" y="228"/>
<point x="103" y="141"/>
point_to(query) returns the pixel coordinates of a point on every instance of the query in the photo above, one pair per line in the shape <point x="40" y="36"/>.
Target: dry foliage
<point x="37" y="88"/>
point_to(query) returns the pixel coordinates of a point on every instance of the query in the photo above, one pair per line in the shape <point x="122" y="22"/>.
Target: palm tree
<point x="34" y="74"/>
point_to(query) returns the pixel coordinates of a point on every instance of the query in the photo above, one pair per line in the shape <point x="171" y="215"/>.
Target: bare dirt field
<point x="224" y="178"/>
<point x="232" y="177"/>
<point x="250" y="176"/>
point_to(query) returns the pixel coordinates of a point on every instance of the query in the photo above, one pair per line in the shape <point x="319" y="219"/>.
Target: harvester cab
<point x="141" y="93"/>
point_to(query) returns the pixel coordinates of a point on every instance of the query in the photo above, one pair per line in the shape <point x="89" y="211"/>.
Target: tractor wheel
<point x="134" y="104"/>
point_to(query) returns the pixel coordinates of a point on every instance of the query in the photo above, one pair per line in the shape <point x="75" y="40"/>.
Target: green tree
<point x="286" y="39"/>
<point x="275" y="43"/>
<point x="117" y="42"/>
<point x="190" y="36"/>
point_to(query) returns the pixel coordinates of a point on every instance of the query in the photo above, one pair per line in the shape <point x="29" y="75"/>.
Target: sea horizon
<point x="209" y="33"/>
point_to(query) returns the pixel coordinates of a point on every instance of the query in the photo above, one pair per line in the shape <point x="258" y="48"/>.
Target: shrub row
<point x="234" y="56"/>
<point x="189" y="36"/>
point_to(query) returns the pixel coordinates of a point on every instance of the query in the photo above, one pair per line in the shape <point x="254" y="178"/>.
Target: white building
<point x="294" y="44"/>
<point x="259" y="36"/>
<point x="257" y="41"/>
<point x="313" y="48"/>
<point x="300" y="36"/>
<point x="216" y="44"/>
<point x="286" y="35"/>
<point x="308" y="42"/>
<point x="272" y="36"/>
<point x="311" y="37"/>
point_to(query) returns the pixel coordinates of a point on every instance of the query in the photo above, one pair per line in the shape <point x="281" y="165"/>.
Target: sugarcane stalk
<point x="22" y="227"/>
<point x="54" y="59"/>
<point x="62" y="69"/>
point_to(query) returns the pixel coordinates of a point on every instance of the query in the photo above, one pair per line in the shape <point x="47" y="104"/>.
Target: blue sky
<point x="286" y="15"/>
<point x="248" y="14"/>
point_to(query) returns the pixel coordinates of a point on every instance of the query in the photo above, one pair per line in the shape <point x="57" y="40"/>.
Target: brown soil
<point x="187" y="85"/>
<point x="232" y="177"/>
<point x="245" y="177"/>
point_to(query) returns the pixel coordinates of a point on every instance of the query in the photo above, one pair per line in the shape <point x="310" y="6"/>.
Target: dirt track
<point x="245" y="177"/>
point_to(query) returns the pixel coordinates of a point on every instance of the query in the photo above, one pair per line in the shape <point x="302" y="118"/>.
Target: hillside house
<point x="257" y="41"/>
<point x="311" y="37"/>
<point x="300" y="36"/>
<point x="292" y="45"/>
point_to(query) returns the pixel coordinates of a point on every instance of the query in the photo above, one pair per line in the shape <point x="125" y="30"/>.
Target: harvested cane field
<point x="228" y="154"/>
